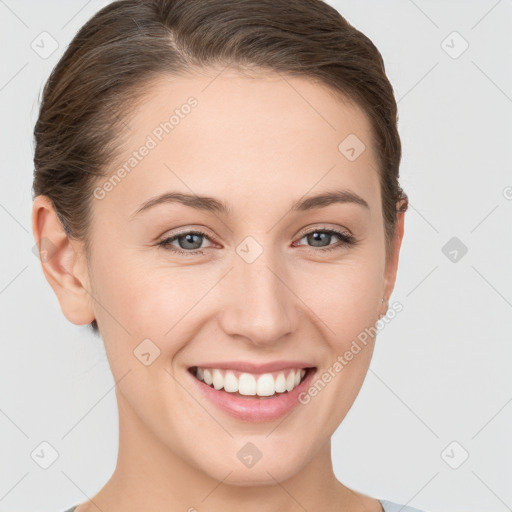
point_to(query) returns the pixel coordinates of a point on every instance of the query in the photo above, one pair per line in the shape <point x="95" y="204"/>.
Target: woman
<point x="216" y="189"/>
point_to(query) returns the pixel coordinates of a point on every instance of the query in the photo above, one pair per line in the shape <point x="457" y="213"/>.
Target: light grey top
<point x="387" y="506"/>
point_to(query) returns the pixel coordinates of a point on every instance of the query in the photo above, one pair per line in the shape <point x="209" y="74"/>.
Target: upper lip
<point x="246" y="366"/>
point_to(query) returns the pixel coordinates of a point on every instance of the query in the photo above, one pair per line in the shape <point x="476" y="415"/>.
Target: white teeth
<point x="267" y="384"/>
<point x="218" y="380"/>
<point x="207" y="376"/>
<point x="247" y="384"/>
<point x="280" y="383"/>
<point x="290" y="381"/>
<point x="230" y="382"/>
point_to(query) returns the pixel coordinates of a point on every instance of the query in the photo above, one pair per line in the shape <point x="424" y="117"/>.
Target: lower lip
<point x="251" y="408"/>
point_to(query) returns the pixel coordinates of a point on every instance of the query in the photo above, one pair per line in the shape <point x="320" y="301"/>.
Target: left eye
<point x="190" y="244"/>
<point x="190" y="241"/>
<point x="321" y="235"/>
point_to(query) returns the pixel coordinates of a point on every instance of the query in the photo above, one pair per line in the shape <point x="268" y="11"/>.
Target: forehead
<point x="251" y="105"/>
<point x="224" y="132"/>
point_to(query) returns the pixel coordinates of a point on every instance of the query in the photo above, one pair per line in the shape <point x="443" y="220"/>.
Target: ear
<point x="392" y="260"/>
<point x="63" y="263"/>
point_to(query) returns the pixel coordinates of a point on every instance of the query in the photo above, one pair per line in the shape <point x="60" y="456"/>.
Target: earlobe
<point x="63" y="263"/>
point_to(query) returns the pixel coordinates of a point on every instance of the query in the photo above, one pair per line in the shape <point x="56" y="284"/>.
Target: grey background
<point x="441" y="368"/>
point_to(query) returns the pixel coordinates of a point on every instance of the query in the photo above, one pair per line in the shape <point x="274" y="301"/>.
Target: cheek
<point x="347" y="307"/>
<point x="147" y="301"/>
<point x="345" y="295"/>
<point x="346" y="298"/>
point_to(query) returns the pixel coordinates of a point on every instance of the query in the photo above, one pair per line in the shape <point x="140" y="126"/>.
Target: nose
<point x="259" y="302"/>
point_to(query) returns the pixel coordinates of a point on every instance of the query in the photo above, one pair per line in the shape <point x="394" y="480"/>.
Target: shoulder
<point x="389" y="506"/>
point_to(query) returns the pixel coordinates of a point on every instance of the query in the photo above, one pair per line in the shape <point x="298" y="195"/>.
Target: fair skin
<point x="258" y="145"/>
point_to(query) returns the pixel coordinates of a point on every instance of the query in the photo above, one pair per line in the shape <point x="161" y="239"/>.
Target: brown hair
<point x="128" y="43"/>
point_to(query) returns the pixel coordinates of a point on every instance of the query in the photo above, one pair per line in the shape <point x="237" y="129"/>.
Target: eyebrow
<point x="210" y="204"/>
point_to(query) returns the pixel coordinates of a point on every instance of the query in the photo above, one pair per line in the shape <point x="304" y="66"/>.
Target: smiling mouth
<point x="249" y="385"/>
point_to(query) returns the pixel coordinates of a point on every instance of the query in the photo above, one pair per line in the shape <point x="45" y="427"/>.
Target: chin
<point x="265" y="471"/>
<point x="265" y="475"/>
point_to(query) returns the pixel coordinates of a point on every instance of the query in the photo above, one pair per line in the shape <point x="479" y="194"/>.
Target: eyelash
<point x="346" y="240"/>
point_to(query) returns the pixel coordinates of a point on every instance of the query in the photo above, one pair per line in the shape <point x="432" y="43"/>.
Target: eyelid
<point x="175" y="236"/>
<point x="198" y="230"/>
<point x="341" y="230"/>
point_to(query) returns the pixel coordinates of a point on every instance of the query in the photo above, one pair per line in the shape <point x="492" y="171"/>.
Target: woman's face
<point x="264" y="282"/>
